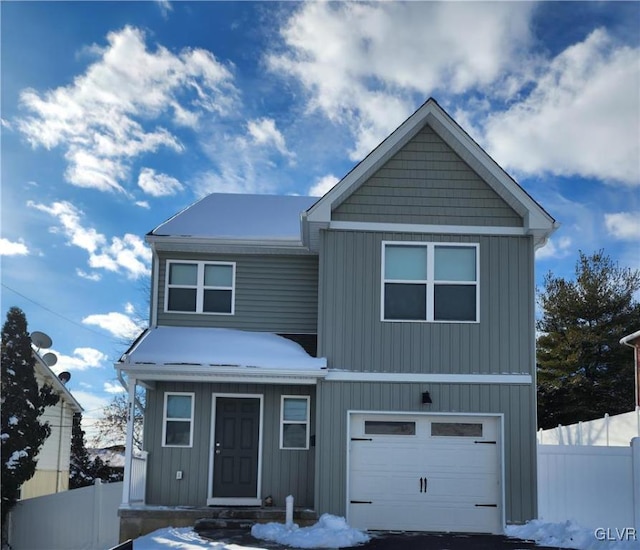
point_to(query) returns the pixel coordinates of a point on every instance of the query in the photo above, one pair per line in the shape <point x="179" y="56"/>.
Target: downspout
<point x="636" y="361"/>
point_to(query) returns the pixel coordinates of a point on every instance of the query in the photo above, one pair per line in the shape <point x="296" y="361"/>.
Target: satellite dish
<point x="50" y="359"/>
<point x="64" y="377"/>
<point x="41" y="340"/>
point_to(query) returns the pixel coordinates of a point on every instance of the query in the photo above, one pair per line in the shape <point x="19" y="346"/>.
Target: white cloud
<point x="118" y="324"/>
<point x="81" y="359"/>
<point x="264" y="131"/>
<point x="158" y="185"/>
<point x="555" y="248"/>
<point x="623" y="225"/>
<point x="323" y="185"/>
<point x="111" y="114"/>
<point x="362" y="64"/>
<point x="13" y="248"/>
<point x="581" y="118"/>
<point x="165" y="7"/>
<point x="89" y="276"/>
<point x="113" y="387"/>
<point x="143" y="204"/>
<point x="128" y="254"/>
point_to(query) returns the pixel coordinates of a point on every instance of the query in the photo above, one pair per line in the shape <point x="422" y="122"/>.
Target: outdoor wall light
<point x="426" y="398"/>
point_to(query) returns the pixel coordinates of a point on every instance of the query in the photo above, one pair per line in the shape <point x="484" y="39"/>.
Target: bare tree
<point x="111" y="428"/>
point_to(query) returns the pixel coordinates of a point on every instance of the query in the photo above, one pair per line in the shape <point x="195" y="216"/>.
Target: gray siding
<point x="426" y="182"/>
<point x="283" y="472"/>
<point x="352" y="336"/>
<point x="273" y="293"/>
<point x="516" y="402"/>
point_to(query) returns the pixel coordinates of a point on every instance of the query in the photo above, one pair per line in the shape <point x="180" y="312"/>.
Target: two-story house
<point x="371" y="352"/>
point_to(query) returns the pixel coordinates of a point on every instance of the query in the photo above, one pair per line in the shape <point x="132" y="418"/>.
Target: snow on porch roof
<point x="220" y="347"/>
<point x="239" y="216"/>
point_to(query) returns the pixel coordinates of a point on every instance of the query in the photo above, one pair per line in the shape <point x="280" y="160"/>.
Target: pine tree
<point x="80" y="465"/>
<point x="22" y="404"/>
<point x="583" y="370"/>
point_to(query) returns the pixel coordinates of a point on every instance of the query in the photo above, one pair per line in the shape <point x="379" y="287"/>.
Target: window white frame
<point x="166" y="419"/>
<point x="305" y="422"/>
<point x="430" y="282"/>
<point x="200" y="286"/>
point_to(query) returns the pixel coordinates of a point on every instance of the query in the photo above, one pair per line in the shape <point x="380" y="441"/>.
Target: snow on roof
<point x="220" y="347"/>
<point x="239" y="216"/>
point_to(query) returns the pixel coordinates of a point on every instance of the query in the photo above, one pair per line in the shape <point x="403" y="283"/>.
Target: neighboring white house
<point x="52" y="471"/>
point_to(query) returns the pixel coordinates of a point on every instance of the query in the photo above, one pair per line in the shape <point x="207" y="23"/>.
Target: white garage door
<point x="425" y="473"/>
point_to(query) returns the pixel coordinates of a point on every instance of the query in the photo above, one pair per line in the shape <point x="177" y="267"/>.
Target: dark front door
<point x="235" y="460"/>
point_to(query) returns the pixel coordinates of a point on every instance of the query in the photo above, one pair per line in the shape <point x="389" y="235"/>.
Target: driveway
<point x="393" y="541"/>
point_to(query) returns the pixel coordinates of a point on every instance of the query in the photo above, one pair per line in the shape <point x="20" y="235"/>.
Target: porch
<point x="139" y="520"/>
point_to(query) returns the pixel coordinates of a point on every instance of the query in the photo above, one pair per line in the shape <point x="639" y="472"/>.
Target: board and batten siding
<point x="426" y="182"/>
<point x="515" y="402"/>
<point x="352" y="337"/>
<point x="273" y="293"/>
<point x="284" y="472"/>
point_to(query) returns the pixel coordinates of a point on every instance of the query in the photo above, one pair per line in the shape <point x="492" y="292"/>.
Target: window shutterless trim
<point x="165" y="419"/>
<point x="199" y="287"/>
<point x="305" y="423"/>
<point x="430" y="282"/>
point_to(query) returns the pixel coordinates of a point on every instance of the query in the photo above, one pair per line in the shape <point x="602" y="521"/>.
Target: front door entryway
<point x="235" y="450"/>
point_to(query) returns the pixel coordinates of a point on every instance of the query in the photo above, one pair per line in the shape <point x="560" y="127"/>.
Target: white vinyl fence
<point x="80" y="519"/>
<point x="595" y="486"/>
<point x="609" y="431"/>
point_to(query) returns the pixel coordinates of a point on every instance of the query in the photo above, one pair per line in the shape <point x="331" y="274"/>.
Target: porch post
<point x="128" y="447"/>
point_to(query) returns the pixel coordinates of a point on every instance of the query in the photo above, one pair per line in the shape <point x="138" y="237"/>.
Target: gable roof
<point x="536" y="220"/>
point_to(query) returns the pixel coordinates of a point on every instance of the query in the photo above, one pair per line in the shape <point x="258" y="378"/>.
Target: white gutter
<point x="630" y="338"/>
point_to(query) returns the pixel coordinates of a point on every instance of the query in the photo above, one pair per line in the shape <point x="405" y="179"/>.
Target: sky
<point x="117" y="115"/>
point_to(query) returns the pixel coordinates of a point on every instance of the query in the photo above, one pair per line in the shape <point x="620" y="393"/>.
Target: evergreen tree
<point x="22" y="404"/>
<point x="583" y="370"/>
<point x="80" y="466"/>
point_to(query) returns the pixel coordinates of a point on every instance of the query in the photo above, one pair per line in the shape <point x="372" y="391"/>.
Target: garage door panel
<point x="463" y="481"/>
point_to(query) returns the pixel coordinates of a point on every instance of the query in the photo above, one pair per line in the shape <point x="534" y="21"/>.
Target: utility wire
<point x="54" y="312"/>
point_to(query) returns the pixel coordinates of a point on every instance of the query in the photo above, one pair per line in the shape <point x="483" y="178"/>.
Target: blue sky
<point x="117" y="115"/>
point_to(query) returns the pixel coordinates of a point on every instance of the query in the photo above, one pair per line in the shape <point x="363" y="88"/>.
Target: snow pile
<point x="183" y="538"/>
<point x="329" y="532"/>
<point x="571" y="535"/>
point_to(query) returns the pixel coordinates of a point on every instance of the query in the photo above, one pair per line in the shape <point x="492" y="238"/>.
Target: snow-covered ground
<point x="333" y="532"/>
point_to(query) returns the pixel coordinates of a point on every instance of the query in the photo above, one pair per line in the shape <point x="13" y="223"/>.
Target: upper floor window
<point x="200" y="287"/>
<point x="430" y="282"/>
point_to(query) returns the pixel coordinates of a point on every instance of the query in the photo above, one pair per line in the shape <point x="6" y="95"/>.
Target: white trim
<point x="154" y="286"/>
<point x="418" y="377"/>
<point x="213" y="373"/>
<point x="382" y="227"/>
<point x="200" y="287"/>
<point x="128" y="448"/>
<point x="498" y="416"/>
<point x="238" y="501"/>
<point x="306" y="423"/>
<point x="166" y="419"/>
<point x="430" y="282"/>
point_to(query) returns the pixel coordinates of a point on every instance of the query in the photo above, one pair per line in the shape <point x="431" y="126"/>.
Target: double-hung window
<point x="294" y="422"/>
<point x="200" y="287"/>
<point x="430" y="282"/>
<point x="177" y="425"/>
